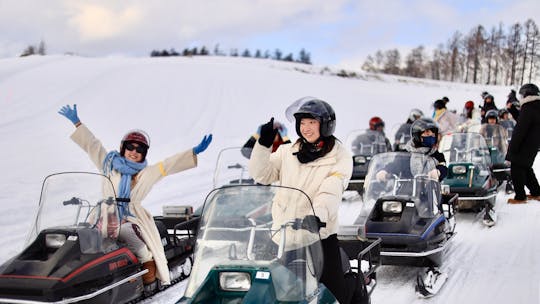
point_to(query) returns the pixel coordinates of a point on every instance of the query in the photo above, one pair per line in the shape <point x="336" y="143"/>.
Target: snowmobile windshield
<point x="267" y="232"/>
<point x="80" y="203"/>
<point x="403" y="175"/>
<point x="231" y="168"/>
<point x="466" y="148"/>
<point x="496" y="138"/>
<point x="366" y="142"/>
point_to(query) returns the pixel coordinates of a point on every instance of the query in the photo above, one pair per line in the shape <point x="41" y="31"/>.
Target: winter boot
<point x="533" y="197"/>
<point x="516" y="201"/>
<point x="150" y="276"/>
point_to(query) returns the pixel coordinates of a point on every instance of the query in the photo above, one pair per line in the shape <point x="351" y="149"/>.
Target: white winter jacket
<point x="145" y="180"/>
<point x="323" y="179"/>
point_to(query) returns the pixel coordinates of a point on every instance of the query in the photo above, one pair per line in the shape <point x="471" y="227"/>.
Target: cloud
<point x="98" y="22"/>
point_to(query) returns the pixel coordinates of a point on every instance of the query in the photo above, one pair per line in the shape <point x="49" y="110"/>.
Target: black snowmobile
<point x="406" y="209"/>
<point x="73" y="255"/>
<point x="363" y="144"/>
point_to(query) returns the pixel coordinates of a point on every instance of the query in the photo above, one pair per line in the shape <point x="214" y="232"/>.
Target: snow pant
<point x="332" y="275"/>
<point x="131" y="236"/>
<point x="521" y="177"/>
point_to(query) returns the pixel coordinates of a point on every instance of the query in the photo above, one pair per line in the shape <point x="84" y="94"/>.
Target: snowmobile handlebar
<point x="72" y="201"/>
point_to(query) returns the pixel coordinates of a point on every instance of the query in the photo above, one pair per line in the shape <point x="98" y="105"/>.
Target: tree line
<point x="302" y="57"/>
<point x="497" y="56"/>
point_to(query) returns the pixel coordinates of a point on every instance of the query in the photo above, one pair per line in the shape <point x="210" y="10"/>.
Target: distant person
<point x="512" y="104"/>
<point x="280" y="138"/>
<point x="373" y="140"/>
<point x="494" y="133"/>
<point x="133" y="179"/>
<point x="403" y="134"/>
<point x="524" y="145"/>
<point x="469" y="119"/>
<point x="446" y="120"/>
<point x="489" y="104"/>
<point x="507" y="122"/>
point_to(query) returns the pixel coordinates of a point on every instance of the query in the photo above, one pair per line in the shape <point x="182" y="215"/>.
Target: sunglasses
<point x="139" y="149"/>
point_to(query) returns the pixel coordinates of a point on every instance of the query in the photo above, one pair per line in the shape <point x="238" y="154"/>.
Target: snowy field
<point x="178" y="100"/>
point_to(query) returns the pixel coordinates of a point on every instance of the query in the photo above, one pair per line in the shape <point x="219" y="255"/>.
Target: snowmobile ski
<point x="429" y="284"/>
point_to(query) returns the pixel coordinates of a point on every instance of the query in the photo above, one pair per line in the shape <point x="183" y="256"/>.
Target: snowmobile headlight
<point x="55" y="240"/>
<point x="234" y="281"/>
<point x="360" y="159"/>
<point x="392" y="207"/>
<point x="459" y="169"/>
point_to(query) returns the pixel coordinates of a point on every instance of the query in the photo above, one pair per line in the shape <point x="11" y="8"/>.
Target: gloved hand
<point x="268" y="133"/>
<point x="312" y="223"/>
<point x="70" y="113"/>
<point x="434" y="174"/>
<point x="381" y="176"/>
<point x="282" y="130"/>
<point x="205" y="142"/>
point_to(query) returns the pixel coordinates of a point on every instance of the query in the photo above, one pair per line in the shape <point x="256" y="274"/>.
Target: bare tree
<point x="454" y="52"/>
<point x="392" y="62"/>
<point x="415" y="63"/>
<point x="513" y="50"/>
<point x="534" y="55"/>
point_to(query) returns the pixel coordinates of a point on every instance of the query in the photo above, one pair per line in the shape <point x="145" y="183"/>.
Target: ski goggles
<point x="140" y="149"/>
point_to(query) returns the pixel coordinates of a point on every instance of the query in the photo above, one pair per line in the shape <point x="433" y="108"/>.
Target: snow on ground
<point x="178" y="100"/>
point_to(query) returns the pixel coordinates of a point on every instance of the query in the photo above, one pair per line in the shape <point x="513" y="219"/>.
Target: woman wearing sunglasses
<point x="133" y="179"/>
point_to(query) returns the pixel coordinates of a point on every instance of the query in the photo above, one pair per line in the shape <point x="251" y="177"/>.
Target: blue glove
<point x="70" y="113"/>
<point x="207" y="139"/>
<point x="282" y="131"/>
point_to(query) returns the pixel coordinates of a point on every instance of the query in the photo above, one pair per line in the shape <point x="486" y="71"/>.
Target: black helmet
<point x="502" y="112"/>
<point x="320" y="110"/>
<point x="492" y="114"/>
<point x="528" y="90"/>
<point x="419" y="126"/>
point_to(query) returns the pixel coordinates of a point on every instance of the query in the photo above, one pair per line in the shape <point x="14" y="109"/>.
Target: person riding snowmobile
<point x="403" y="134"/>
<point x="318" y="164"/>
<point x="374" y="137"/>
<point x="133" y="179"/>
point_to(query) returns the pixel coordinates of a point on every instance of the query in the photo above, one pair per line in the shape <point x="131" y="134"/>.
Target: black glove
<point x="312" y="223"/>
<point x="268" y="133"/>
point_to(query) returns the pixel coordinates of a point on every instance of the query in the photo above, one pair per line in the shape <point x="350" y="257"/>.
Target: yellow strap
<point x="337" y="174"/>
<point x="161" y="169"/>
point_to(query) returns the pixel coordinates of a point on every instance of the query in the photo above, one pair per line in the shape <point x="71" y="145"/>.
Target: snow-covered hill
<point x="178" y="100"/>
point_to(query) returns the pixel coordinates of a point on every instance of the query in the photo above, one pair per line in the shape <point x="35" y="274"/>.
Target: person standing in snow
<point x="318" y="164"/>
<point x="281" y="138"/>
<point x="133" y="179"/>
<point x="403" y="134"/>
<point x="524" y="145"/>
<point x="446" y="120"/>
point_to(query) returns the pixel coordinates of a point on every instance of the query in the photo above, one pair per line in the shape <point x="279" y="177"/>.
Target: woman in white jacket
<point x="318" y="164"/>
<point x="133" y="179"/>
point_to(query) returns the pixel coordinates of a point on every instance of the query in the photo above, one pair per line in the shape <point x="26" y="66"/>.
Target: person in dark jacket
<point x="489" y="104"/>
<point x="524" y="145"/>
<point x="512" y="104"/>
<point x="280" y="138"/>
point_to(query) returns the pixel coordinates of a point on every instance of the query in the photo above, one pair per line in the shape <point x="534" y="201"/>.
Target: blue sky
<point x="337" y="32"/>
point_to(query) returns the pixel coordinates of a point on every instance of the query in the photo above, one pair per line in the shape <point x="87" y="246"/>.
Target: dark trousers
<point x="332" y="275"/>
<point x="521" y="177"/>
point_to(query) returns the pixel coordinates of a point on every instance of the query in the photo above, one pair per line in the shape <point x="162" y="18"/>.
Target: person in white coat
<point x="318" y="164"/>
<point x="133" y="179"/>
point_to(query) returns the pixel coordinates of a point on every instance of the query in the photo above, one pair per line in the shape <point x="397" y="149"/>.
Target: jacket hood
<point x="529" y="99"/>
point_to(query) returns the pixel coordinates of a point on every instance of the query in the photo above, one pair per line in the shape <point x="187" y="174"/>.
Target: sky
<point x="178" y="100"/>
<point x="337" y="32"/>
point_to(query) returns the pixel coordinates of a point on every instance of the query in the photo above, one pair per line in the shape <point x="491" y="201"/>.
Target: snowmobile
<point x="470" y="173"/>
<point x="363" y="145"/>
<point x="73" y="253"/>
<point x="245" y="255"/>
<point x="411" y="215"/>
